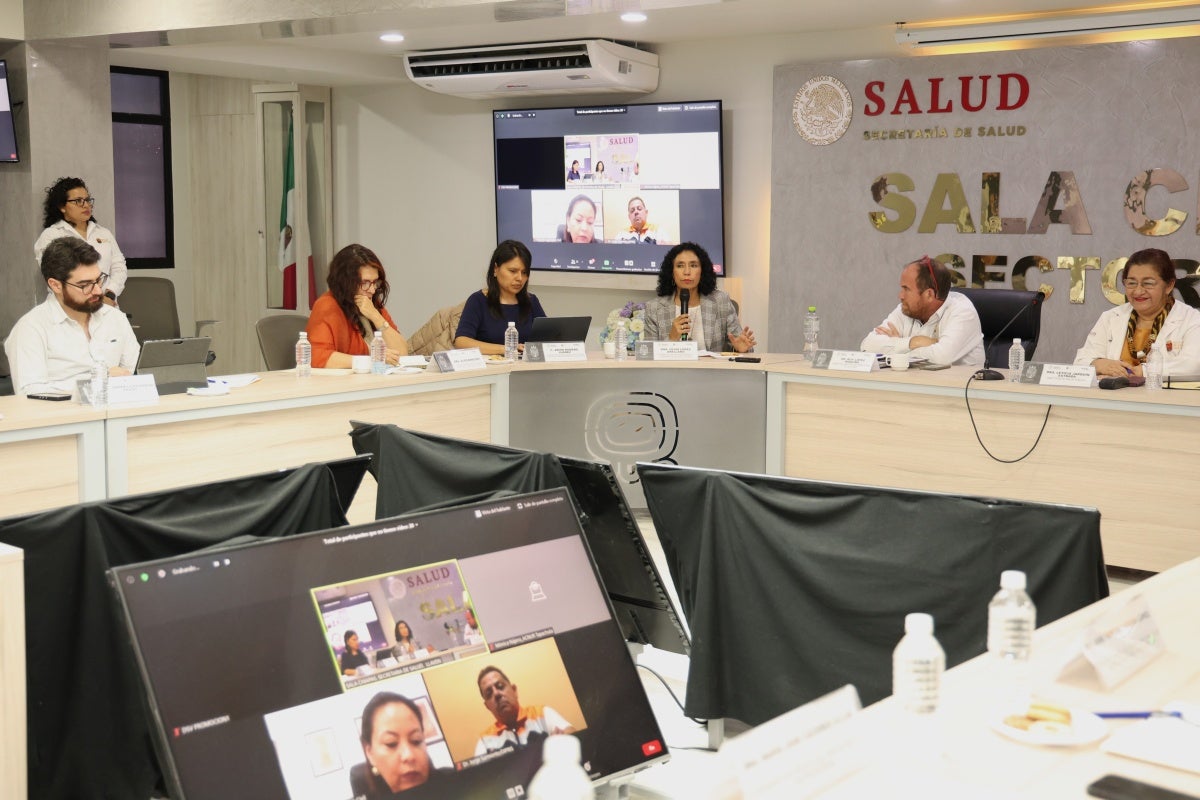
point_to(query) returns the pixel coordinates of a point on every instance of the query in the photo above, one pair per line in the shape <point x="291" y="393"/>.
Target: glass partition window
<point x="143" y="218"/>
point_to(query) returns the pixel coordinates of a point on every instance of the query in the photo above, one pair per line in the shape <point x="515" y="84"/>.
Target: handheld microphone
<point x="684" y="296"/>
<point x="986" y="374"/>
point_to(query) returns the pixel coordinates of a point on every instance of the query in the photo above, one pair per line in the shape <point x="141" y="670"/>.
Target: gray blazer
<point x="717" y="316"/>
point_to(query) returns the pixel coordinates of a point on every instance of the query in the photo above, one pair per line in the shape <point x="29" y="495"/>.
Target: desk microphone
<point x="986" y="374"/>
<point x="684" y="296"/>
<point x="1122" y="382"/>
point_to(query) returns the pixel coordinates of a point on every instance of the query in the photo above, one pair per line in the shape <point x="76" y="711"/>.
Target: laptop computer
<point x="255" y="688"/>
<point x="176" y="364"/>
<point x="560" y="329"/>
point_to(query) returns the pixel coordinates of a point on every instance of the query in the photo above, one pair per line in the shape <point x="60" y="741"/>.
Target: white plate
<point x="1085" y="728"/>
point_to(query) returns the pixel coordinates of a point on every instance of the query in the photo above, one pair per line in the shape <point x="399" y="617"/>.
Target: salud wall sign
<point x="1029" y="169"/>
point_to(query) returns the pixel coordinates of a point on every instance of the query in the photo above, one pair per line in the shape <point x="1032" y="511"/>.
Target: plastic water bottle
<point x="378" y="354"/>
<point x="303" y="356"/>
<point x="917" y="666"/>
<point x="511" y="340"/>
<point x="812" y="331"/>
<point x="1011" y="620"/>
<point x="98" y="384"/>
<point x="621" y="340"/>
<point x="1154" y="367"/>
<point x="561" y="777"/>
<point x="1016" y="360"/>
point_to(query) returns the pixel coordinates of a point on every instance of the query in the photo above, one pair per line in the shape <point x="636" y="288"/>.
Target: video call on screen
<point x="276" y="708"/>
<point x="568" y="181"/>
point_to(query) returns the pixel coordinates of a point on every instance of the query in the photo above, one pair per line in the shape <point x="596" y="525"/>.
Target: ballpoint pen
<point x="1136" y="714"/>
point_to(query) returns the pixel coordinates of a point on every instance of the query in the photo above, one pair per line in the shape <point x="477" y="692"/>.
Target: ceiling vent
<point x="591" y="66"/>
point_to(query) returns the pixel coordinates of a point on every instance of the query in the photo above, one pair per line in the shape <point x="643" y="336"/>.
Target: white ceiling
<point x="345" y="49"/>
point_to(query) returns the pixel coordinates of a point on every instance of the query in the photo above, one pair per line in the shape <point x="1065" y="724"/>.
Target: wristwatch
<point x="384" y="326"/>
<point x="111" y="295"/>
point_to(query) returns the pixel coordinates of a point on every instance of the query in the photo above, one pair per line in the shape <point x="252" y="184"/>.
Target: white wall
<point x="413" y="173"/>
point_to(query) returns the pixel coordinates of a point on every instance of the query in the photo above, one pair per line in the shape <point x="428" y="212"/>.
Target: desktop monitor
<point x="610" y="188"/>
<point x="8" y="130"/>
<point x="265" y="664"/>
<point x="635" y="587"/>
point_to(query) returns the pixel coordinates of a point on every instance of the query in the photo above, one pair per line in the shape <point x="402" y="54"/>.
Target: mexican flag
<point x="287" y="221"/>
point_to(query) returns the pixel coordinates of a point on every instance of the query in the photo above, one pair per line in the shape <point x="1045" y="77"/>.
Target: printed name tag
<point x="1119" y="643"/>
<point x="1082" y="377"/>
<point x="844" y="360"/>
<point x="554" y="352"/>
<point x="132" y="390"/>
<point x="667" y="351"/>
<point x="457" y="360"/>
<point x="799" y="753"/>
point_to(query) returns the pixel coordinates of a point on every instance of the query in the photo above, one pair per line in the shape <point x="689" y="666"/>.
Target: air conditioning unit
<point x="586" y="66"/>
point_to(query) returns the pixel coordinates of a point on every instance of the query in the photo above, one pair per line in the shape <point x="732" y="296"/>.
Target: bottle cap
<point x="812" y="309"/>
<point x="560" y="749"/>
<point x="918" y="623"/>
<point x="1012" y="579"/>
<point x="1016" y="340"/>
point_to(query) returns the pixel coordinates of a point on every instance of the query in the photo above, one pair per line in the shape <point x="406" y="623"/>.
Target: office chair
<point x="6" y="386"/>
<point x="150" y="305"/>
<point x="996" y="307"/>
<point x="277" y="335"/>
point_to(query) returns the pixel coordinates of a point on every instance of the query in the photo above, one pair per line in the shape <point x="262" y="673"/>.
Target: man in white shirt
<point x="930" y="322"/>
<point x="55" y="344"/>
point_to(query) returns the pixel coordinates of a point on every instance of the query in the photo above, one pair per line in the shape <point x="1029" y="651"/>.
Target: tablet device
<point x="560" y="329"/>
<point x="176" y="364"/>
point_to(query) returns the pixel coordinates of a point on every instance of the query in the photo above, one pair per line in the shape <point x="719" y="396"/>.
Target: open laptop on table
<point x="243" y="655"/>
<point x="560" y="329"/>
<point x="176" y="364"/>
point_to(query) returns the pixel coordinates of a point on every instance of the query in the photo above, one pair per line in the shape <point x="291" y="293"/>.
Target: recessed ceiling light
<point x="633" y="16"/>
<point x="392" y="37"/>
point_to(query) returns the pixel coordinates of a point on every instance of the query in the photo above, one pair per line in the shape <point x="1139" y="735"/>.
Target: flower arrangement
<point x="634" y="315"/>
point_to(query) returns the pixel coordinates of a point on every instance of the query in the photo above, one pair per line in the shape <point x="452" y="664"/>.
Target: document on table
<point x="1170" y="741"/>
<point x="235" y="381"/>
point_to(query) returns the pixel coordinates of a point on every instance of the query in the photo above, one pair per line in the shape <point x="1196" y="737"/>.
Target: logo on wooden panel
<point x="822" y="110"/>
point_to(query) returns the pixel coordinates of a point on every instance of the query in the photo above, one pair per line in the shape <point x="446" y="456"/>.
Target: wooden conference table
<point x="976" y="761"/>
<point x="1130" y="452"/>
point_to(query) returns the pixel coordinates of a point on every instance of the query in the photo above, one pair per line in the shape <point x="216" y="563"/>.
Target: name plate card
<point x="554" y="352"/>
<point x="844" y="360"/>
<point x="130" y="391"/>
<point x="667" y="351"/>
<point x="457" y="360"/>
<point x="1120" y="643"/>
<point x="798" y="753"/>
<point x="1080" y="377"/>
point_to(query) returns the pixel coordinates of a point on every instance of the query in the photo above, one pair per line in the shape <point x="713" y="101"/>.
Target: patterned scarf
<point x="1134" y="353"/>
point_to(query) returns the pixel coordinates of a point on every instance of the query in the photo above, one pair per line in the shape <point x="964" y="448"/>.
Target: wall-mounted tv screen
<point x="8" y="132"/>
<point x="610" y="188"/>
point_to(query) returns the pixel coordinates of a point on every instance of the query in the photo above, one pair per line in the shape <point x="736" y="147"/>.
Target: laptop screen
<point x="560" y="329"/>
<point x="293" y="668"/>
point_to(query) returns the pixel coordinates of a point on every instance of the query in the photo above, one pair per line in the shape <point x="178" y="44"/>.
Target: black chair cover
<point x="417" y="470"/>
<point x="793" y="588"/>
<point x="89" y="734"/>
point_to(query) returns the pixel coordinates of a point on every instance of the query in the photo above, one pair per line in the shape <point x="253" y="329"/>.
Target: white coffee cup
<point x="361" y="364"/>
<point x="610" y="349"/>
<point x="898" y="361"/>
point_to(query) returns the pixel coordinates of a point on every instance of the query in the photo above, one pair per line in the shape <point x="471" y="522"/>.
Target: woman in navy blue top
<point x="507" y="299"/>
